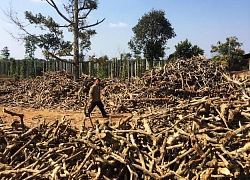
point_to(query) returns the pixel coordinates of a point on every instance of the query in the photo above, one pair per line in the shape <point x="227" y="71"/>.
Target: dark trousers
<point x="100" y="106"/>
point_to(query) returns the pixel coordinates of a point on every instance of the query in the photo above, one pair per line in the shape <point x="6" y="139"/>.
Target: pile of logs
<point x="55" y="90"/>
<point x="184" y="79"/>
<point x="196" y="126"/>
<point x="180" y="142"/>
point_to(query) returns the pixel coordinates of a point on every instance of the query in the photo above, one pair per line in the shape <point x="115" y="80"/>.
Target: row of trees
<point x="150" y="36"/>
<point x="101" y="67"/>
<point x="228" y="53"/>
<point x="20" y="69"/>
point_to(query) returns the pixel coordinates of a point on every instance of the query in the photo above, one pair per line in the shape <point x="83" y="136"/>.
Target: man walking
<point x="95" y="99"/>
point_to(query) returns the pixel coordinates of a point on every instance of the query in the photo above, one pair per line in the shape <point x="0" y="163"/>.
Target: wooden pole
<point x="249" y="64"/>
<point x="111" y="69"/>
<point x="90" y="68"/>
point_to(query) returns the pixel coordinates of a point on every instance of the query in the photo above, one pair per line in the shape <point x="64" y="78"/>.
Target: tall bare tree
<point x="73" y="16"/>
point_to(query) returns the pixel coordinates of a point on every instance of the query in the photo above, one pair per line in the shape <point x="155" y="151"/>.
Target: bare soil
<point x="32" y="117"/>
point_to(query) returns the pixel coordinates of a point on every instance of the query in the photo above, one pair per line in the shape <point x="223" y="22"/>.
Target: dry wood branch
<point x="177" y="158"/>
<point x="15" y="114"/>
<point x="147" y="99"/>
<point x="83" y="162"/>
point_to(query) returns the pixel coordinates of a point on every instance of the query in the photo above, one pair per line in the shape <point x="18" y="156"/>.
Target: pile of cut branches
<point x="182" y="142"/>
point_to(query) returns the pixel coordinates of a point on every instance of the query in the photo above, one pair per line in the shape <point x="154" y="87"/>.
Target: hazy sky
<point x="202" y="22"/>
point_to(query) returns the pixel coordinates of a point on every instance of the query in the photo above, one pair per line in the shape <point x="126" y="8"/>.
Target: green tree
<point x="229" y="53"/>
<point x="102" y="70"/>
<point x="73" y="19"/>
<point x="186" y="50"/>
<point x="54" y="46"/>
<point x="23" y="69"/>
<point x="12" y="66"/>
<point x="5" y="53"/>
<point x="151" y="35"/>
<point x="30" y="47"/>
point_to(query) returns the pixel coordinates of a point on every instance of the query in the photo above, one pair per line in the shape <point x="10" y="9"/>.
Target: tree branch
<point x="52" y="3"/>
<point x="58" y="58"/>
<point x="98" y="22"/>
<point x="18" y="23"/>
<point x="84" y="17"/>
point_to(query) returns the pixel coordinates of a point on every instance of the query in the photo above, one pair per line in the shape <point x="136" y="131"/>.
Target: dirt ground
<point x="33" y="117"/>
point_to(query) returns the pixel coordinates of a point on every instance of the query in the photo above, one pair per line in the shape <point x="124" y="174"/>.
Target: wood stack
<point x="176" y="82"/>
<point x="54" y="90"/>
<point x="181" y="80"/>
<point x="179" y="142"/>
<point x="196" y="126"/>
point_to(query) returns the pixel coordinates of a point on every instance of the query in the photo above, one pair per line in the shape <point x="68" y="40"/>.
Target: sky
<point x="202" y="22"/>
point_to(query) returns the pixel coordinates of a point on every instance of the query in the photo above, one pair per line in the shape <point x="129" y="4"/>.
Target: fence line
<point x="114" y="68"/>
